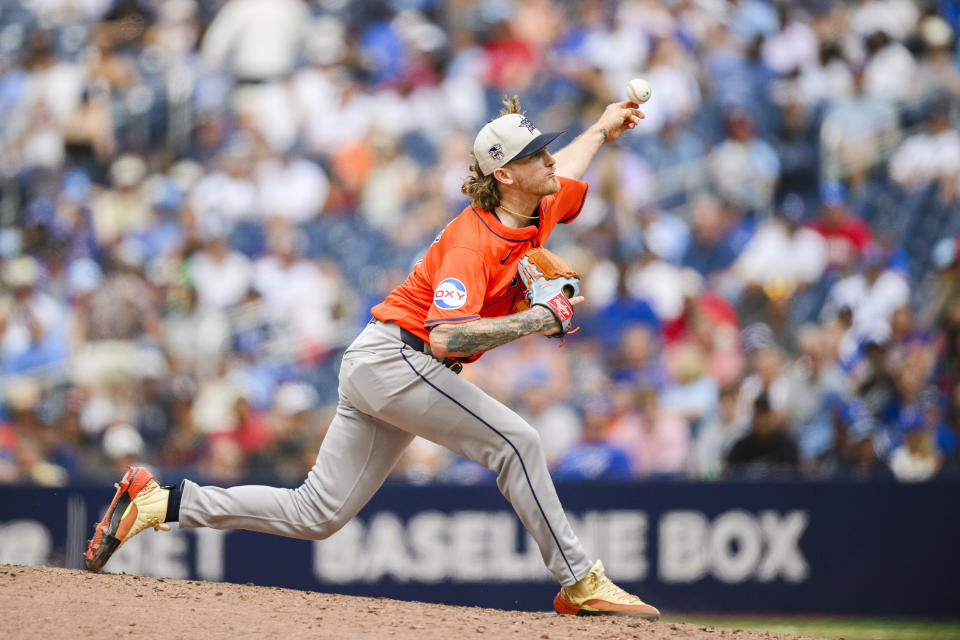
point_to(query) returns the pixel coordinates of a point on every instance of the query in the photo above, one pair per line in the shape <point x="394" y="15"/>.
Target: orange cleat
<point x="596" y="595"/>
<point x="139" y="503"/>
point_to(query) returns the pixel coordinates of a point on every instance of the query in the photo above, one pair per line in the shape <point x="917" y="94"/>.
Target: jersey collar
<point x="492" y="222"/>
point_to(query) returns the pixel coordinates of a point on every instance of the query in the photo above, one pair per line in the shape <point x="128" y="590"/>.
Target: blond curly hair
<point x="483" y="190"/>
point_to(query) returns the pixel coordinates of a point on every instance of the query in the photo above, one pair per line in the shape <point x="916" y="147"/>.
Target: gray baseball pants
<point x="390" y="393"/>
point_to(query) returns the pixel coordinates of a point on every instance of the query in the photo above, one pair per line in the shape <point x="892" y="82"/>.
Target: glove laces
<point x="563" y="338"/>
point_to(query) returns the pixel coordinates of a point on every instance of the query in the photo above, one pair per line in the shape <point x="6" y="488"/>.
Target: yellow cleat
<point x="596" y="595"/>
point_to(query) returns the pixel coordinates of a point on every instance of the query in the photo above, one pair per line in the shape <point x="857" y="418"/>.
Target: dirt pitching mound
<point x="61" y="604"/>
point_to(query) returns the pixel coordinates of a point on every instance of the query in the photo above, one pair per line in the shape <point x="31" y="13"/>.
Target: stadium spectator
<point x="930" y="157"/>
<point x="123" y="448"/>
<point x="830" y="77"/>
<point x="258" y="43"/>
<point x="873" y="382"/>
<point x="660" y="283"/>
<point x="767" y="379"/>
<point x="846" y="234"/>
<point x="8" y="444"/>
<point x="873" y="295"/>
<point x="194" y="337"/>
<point x="853" y="453"/>
<point x="743" y="167"/>
<point x="793" y="46"/>
<point x="691" y="394"/>
<point x="917" y="458"/>
<point x="889" y="68"/>
<point x="556" y="421"/>
<point x="613" y="319"/>
<point x="595" y="457"/>
<point x="674" y="156"/>
<point x="230" y="193"/>
<point x="937" y="72"/>
<point x="638" y="363"/>
<point x="716" y="435"/>
<point x="390" y="185"/>
<point x="33" y="323"/>
<point x="669" y="69"/>
<point x="32" y="467"/>
<point x="297" y="294"/>
<point x="856" y="131"/>
<point x="796" y="146"/>
<point x="224" y="462"/>
<point x="656" y="441"/>
<point x="125" y="208"/>
<point x="665" y="234"/>
<point x="710" y="250"/>
<point x="709" y="321"/>
<point x="120" y="323"/>
<point x="783" y="252"/>
<point x="292" y="188"/>
<point x="220" y="275"/>
<point x="814" y="381"/>
<point x="767" y="449"/>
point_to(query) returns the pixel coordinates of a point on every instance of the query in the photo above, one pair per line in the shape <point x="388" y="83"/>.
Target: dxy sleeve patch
<point x="459" y="288"/>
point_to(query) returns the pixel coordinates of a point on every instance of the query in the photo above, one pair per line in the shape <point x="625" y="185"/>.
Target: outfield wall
<point x="877" y="549"/>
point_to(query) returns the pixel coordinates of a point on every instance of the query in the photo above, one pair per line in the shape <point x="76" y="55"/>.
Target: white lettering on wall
<point x="339" y="558"/>
<point x="735" y="547"/>
<point x="736" y="544"/>
<point x="24" y="542"/>
<point x="209" y="554"/>
<point x="619" y="538"/>
<point x="783" y="557"/>
<point x="428" y="534"/>
<point x="683" y="546"/>
<point x="471" y="546"/>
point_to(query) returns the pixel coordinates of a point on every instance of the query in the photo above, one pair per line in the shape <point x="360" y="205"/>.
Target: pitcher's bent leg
<point x="356" y="455"/>
<point x="446" y="409"/>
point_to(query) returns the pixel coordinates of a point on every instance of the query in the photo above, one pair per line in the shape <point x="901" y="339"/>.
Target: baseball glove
<point x="550" y="281"/>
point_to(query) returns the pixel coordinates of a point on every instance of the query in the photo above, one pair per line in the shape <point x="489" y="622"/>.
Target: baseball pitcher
<point x="399" y="377"/>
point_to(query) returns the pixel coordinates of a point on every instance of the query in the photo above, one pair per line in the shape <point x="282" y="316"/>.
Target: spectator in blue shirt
<point x="709" y="250"/>
<point x="595" y="458"/>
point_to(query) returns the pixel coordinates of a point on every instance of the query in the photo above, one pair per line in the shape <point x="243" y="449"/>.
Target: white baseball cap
<point x="507" y="138"/>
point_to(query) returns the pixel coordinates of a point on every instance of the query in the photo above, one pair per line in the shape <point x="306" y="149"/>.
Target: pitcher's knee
<point x="314" y="521"/>
<point x="521" y="446"/>
<point x="318" y="530"/>
<point x="527" y="440"/>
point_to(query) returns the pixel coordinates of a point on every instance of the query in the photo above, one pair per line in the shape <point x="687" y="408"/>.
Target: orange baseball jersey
<point x="470" y="270"/>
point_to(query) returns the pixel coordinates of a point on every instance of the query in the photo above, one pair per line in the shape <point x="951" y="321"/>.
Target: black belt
<point x="416" y="342"/>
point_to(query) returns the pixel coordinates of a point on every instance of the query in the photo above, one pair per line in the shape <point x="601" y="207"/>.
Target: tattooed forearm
<point x="482" y="335"/>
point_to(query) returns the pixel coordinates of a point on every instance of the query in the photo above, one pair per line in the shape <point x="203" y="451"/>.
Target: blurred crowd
<point x="200" y="200"/>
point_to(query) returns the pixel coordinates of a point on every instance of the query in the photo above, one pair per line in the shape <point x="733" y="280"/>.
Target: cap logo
<point x="526" y="123"/>
<point x="496" y="152"/>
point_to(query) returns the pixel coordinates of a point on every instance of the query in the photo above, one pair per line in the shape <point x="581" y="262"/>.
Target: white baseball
<point x="638" y="90"/>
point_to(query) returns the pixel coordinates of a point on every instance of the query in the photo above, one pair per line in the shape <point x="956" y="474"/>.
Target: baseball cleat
<point x="139" y="503"/>
<point x="596" y="595"/>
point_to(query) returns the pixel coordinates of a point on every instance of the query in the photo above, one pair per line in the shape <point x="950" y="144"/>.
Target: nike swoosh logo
<point x="504" y="259"/>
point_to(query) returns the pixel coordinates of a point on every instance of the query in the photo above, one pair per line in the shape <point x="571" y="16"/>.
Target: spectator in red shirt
<point x="846" y="234"/>
<point x="711" y="322"/>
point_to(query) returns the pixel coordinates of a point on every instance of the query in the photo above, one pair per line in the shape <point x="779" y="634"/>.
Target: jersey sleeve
<point x="565" y="205"/>
<point x="459" y="288"/>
